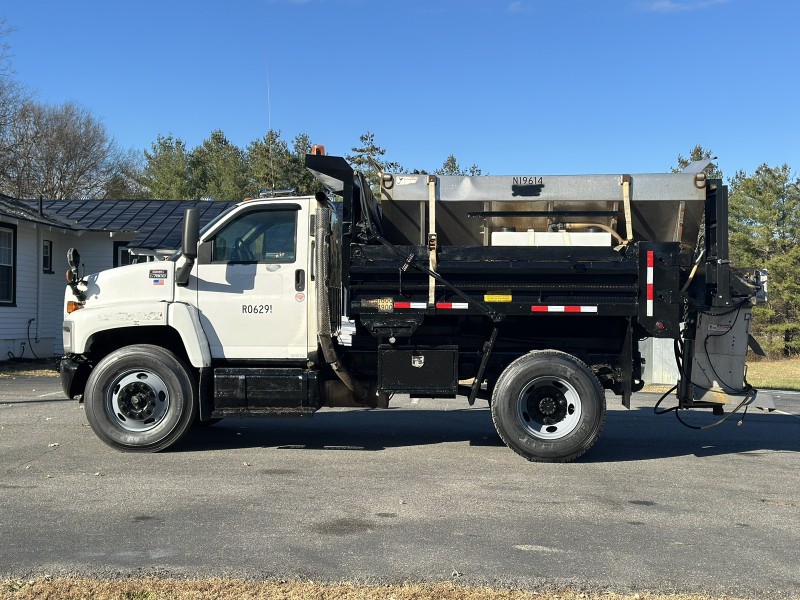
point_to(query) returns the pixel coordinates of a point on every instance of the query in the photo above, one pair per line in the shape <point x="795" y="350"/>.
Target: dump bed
<point x="470" y="211"/>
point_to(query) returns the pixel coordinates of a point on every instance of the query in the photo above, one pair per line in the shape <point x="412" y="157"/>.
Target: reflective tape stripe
<point x="452" y="305"/>
<point x="650" y="290"/>
<point x="563" y="309"/>
<point x="410" y="305"/>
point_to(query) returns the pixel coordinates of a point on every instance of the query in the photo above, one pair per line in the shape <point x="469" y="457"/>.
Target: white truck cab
<point x="251" y="287"/>
<point x="250" y="295"/>
<point x="241" y="292"/>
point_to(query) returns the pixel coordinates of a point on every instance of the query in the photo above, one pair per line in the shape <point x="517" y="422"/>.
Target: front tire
<point x="140" y="398"/>
<point x="548" y="406"/>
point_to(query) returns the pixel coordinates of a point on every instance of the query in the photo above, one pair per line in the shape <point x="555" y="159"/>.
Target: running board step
<point x="265" y="392"/>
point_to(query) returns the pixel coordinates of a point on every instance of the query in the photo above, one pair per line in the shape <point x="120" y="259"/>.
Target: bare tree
<point x="11" y="99"/>
<point x="5" y="47"/>
<point x="62" y="152"/>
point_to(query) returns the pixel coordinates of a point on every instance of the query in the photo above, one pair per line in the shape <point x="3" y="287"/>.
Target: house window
<point x="47" y="256"/>
<point x="8" y="259"/>
<point x="122" y="255"/>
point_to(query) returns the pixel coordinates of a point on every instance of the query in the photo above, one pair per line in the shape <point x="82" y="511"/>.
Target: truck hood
<point x="143" y="282"/>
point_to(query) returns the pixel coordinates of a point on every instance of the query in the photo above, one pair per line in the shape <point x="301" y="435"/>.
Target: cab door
<point x="251" y="282"/>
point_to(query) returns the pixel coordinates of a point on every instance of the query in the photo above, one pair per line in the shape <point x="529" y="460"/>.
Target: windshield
<point x="214" y="221"/>
<point x="177" y="254"/>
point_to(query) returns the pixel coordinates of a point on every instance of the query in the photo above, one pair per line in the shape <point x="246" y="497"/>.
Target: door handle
<point x="312" y="267"/>
<point x="299" y="280"/>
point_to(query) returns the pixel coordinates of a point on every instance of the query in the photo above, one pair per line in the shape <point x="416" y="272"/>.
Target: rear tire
<point x="548" y="406"/>
<point x="141" y="398"/>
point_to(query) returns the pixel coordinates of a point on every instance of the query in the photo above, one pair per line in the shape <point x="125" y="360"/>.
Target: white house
<point x="34" y="239"/>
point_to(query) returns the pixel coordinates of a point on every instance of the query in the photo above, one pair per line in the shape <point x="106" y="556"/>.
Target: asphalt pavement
<point x="423" y="491"/>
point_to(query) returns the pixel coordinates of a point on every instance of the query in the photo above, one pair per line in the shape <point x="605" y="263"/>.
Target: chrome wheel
<point x="549" y="408"/>
<point x="138" y="401"/>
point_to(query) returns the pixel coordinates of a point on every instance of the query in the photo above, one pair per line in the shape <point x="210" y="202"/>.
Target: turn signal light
<point x="72" y="306"/>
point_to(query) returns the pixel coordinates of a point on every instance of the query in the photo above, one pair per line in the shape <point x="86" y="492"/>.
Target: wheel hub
<point x="138" y="401"/>
<point x="547" y="405"/>
<point x="549" y="408"/>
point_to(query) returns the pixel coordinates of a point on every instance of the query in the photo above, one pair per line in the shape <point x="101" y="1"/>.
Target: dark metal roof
<point x="17" y="209"/>
<point x="157" y="223"/>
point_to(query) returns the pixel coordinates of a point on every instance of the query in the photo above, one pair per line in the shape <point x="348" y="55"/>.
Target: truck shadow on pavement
<point x="628" y="435"/>
<point x="360" y="430"/>
<point x="642" y="435"/>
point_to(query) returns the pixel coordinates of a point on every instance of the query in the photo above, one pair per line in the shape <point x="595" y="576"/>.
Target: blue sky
<point x="533" y="86"/>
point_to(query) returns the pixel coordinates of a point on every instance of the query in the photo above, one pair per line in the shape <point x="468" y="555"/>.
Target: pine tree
<point x="765" y="234"/>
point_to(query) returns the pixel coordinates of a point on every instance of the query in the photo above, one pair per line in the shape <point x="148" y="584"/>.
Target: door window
<point x="268" y="236"/>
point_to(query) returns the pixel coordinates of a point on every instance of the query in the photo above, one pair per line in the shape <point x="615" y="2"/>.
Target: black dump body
<point x="493" y="304"/>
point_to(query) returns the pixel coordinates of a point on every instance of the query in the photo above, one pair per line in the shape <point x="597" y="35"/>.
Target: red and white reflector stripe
<point x="563" y="309"/>
<point x="439" y="305"/>
<point x="650" y="293"/>
<point x="452" y="305"/>
<point x="410" y="305"/>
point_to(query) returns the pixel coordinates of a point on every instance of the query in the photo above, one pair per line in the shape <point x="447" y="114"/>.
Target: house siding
<point x="14" y="319"/>
<point x="153" y="227"/>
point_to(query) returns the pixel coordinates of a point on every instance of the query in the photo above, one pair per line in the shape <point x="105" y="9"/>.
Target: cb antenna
<point x="269" y="130"/>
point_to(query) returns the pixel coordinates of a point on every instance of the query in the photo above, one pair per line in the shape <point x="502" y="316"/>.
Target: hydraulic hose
<point x="605" y="228"/>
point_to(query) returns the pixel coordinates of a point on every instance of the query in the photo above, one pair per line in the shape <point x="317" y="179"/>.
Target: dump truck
<point x="529" y="291"/>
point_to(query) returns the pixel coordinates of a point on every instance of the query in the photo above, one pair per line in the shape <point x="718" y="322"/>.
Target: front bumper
<point x="73" y="374"/>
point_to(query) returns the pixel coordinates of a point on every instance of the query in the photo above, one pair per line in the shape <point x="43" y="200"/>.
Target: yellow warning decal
<point x="499" y="296"/>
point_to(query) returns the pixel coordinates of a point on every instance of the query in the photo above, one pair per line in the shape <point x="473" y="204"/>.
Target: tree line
<point x="764" y="233"/>
<point x="59" y="152"/>
<point x="221" y="170"/>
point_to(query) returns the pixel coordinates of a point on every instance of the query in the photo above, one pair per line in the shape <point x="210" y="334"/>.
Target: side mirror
<point x="73" y="273"/>
<point x="191" y="235"/>
<point x="73" y="258"/>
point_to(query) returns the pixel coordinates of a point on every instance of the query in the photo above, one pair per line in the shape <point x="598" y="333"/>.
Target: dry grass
<point x="10" y="369"/>
<point x="229" y="589"/>
<point x="781" y="374"/>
